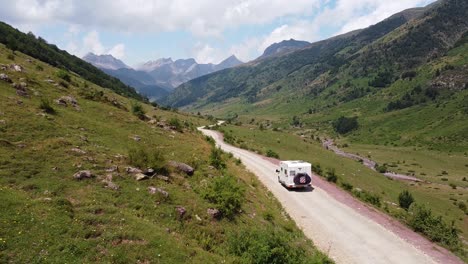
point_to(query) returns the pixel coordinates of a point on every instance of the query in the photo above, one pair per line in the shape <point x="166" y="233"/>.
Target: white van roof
<point x="295" y="163"/>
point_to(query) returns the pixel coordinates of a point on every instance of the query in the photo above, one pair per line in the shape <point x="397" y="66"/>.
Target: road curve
<point x="341" y="226"/>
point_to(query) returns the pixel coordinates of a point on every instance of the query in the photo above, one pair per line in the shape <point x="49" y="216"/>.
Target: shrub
<point x="345" y="125"/>
<point x="46" y="106"/>
<point x="270" y="153"/>
<point x="317" y="169"/>
<point x="347" y="186"/>
<point x="216" y="159"/>
<point x="435" y="228"/>
<point x="175" y="122"/>
<point x="11" y="57"/>
<point x="331" y="175"/>
<point x="405" y="199"/>
<point x="266" y="246"/>
<point x="137" y="110"/>
<point x="462" y="206"/>
<point x="62" y="74"/>
<point x="143" y="158"/>
<point x="368" y="197"/>
<point x="39" y="68"/>
<point x="226" y="194"/>
<point x="381" y="168"/>
<point x="453" y="185"/>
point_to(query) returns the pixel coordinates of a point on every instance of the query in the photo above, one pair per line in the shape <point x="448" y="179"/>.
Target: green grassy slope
<point x="40" y="49"/>
<point x="48" y="216"/>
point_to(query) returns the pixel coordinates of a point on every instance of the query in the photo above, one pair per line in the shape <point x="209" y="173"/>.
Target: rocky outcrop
<point x="182" y="167"/>
<point x="5" y="78"/>
<point x="214" y="213"/>
<point x="84" y="174"/>
<point x="154" y="190"/>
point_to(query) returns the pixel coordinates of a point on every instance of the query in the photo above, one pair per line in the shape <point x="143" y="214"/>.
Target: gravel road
<point x="348" y="230"/>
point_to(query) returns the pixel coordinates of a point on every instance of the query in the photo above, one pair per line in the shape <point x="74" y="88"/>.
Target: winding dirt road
<point x="348" y="230"/>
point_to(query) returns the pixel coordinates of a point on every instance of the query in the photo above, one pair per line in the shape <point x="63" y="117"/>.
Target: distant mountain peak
<point x="231" y="61"/>
<point x="284" y="47"/>
<point x="105" y="61"/>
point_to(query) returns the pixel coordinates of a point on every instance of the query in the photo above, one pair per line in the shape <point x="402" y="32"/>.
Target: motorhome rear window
<point x="292" y="173"/>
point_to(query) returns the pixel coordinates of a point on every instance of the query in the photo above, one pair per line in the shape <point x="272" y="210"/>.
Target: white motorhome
<point x="295" y="173"/>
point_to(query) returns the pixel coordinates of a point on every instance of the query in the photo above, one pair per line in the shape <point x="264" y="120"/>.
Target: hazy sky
<point x="207" y="30"/>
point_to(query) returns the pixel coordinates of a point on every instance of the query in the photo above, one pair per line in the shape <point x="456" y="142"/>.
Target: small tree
<point x="272" y="154"/>
<point x="344" y="125"/>
<point x="405" y="199"/>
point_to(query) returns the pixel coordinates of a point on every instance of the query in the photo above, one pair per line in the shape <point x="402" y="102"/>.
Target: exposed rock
<point x="49" y="80"/>
<point x="162" y="177"/>
<point x="65" y="100"/>
<point x="29" y="60"/>
<point x="132" y="170"/>
<point x="20" y="89"/>
<point x="154" y="190"/>
<point x="182" y="167"/>
<point x="136" y="138"/>
<point x="111" y="185"/>
<point x="16" y="67"/>
<point x="140" y="176"/>
<point x="5" y="78"/>
<point x="181" y="211"/>
<point x="84" y="174"/>
<point x="113" y="168"/>
<point x="197" y="217"/>
<point x="214" y="213"/>
<point x="77" y="150"/>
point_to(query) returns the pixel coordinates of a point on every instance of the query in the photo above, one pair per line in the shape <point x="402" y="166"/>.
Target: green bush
<point x="176" y="124"/>
<point x="216" y="159"/>
<point x="270" y="153"/>
<point x="347" y="186"/>
<point x="11" y="57"/>
<point x="143" y="158"/>
<point x="368" y="197"/>
<point x="226" y="194"/>
<point x="317" y="169"/>
<point x="405" y="199"/>
<point x="331" y="175"/>
<point x="62" y="74"/>
<point x="46" y="106"/>
<point x="345" y="125"/>
<point x="39" y="68"/>
<point x="435" y="228"/>
<point x="266" y="246"/>
<point x="381" y="168"/>
<point x="137" y="110"/>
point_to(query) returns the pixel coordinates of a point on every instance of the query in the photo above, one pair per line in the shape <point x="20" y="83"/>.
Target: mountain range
<point x="158" y="78"/>
<point x="413" y="60"/>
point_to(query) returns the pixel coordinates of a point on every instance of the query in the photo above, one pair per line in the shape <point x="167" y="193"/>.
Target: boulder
<point x="113" y="168"/>
<point x="181" y="211"/>
<point x="162" y="177"/>
<point x="77" y="150"/>
<point x="111" y="185"/>
<point x="214" y="213"/>
<point x="140" y="176"/>
<point x="182" y="167"/>
<point x="16" y="67"/>
<point x="84" y="174"/>
<point x="132" y="169"/>
<point x="154" y="190"/>
<point x="5" y="78"/>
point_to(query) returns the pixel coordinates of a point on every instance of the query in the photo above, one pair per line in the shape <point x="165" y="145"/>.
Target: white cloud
<point x="118" y="51"/>
<point x="204" y="53"/>
<point x="92" y="43"/>
<point x="201" y="17"/>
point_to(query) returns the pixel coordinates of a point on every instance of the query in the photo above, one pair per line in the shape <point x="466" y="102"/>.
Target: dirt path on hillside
<point x="348" y="230"/>
<point x="330" y="145"/>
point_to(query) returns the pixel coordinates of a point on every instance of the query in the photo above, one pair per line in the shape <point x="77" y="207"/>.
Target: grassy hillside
<point x="49" y="53"/>
<point x="49" y="216"/>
